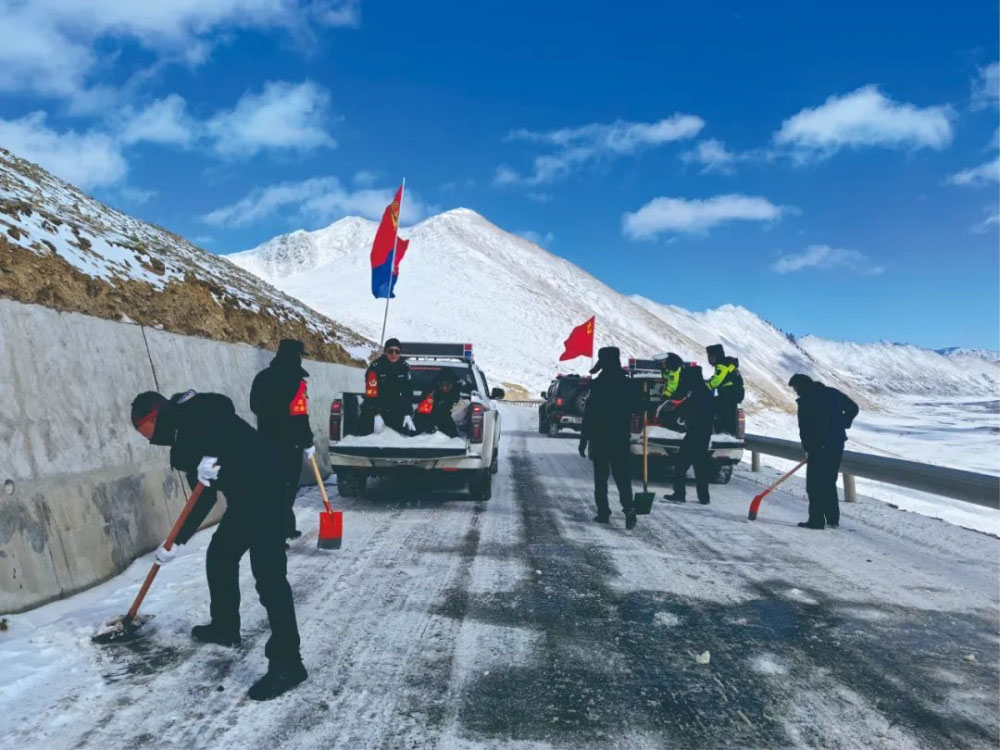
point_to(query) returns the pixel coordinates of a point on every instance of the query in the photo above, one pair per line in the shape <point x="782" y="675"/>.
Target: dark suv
<point x="565" y="401"/>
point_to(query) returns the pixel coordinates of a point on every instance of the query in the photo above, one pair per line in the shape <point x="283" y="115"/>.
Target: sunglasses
<point x="393" y="350"/>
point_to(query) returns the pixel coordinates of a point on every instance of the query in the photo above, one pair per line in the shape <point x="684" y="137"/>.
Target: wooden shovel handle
<point x="319" y="481"/>
<point x="195" y="494"/>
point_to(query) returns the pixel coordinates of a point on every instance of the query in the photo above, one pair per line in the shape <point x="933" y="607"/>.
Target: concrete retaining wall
<point x="81" y="493"/>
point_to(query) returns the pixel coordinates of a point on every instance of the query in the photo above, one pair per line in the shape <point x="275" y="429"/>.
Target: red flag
<point x="383" y="277"/>
<point x="580" y="342"/>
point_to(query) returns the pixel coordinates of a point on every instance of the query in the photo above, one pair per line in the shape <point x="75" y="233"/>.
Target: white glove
<point x="309" y="452"/>
<point x="208" y="470"/>
<point x="164" y="555"/>
<point x="408" y="424"/>
<point x="379" y="423"/>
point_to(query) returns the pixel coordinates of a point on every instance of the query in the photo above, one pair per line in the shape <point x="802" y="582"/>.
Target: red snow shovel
<point x="331" y="522"/>
<point x="127" y="627"/>
<point x="755" y="505"/>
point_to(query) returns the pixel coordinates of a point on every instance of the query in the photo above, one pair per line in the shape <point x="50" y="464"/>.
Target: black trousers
<point x="726" y="418"/>
<point x="611" y="461"/>
<point x="821" y="484"/>
<point x="291" y="475"/>
<point x="693" y="452"/>
<point x="440" y="421"/>
<point x="262" y="534"/>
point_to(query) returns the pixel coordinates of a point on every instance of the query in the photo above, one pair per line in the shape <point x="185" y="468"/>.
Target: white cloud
<point x="694" y="216"/>
<point x="364" y="178"/>
<point x="137" y="195"/>
<point x="576" y="146"/>
<point x="992" y="220"/>
<point x="50" y="47"/>
<point x="316" y="199"/>
<point x="163" y="121"/>
<point x="824" y="258"/>
<point x="985" y="174"/>
<point x="986" y="87"/>
<point x="541" y="198"/>
<point x="864" y="117"/>
<point x="542" y="240"/>
<point x="712" y="155"/>
<point x="282" y="116"/>
<point x="86" y="160"/>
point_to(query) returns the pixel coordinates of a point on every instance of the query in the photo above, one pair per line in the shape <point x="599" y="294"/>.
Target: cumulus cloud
<point x="364" y="178"/>
<point x="163" y="121"/>
<point x="50" y="47"/>
<point x="824" y="258"/>
<point x="986" y="87"/>
<point x="87" y="160"/>
<point x="680" y="215"/>
<point x="712" y="155"/>
<point x="573" y="147"/>
<point x="282" y="116"/>
<point x="315" y="199"/>
<point x="992" y="220"/>
<point x="864" y="118"/>
<point x="985" y="174"/>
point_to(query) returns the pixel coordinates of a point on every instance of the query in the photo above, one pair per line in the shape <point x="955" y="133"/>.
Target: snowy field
<point x="519" y="623"/>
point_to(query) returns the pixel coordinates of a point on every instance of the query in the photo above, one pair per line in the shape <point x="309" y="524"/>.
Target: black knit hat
<point x="671" y="361"/>
<point x="608" y="358"/>
<point x="798" y="380"/>
<point x="291" y="346"/>
<point x="145" y="404"/>
<point x="715" y="350"/>
<point x="392" y="342"/>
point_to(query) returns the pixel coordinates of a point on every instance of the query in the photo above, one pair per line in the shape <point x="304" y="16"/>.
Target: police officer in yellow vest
<point x="671" y="365"/>
<point x="727" y="382"/>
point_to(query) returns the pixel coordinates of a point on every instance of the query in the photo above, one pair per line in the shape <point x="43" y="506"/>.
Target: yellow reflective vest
<point x="722" y="377"/>
<point x="673" y="379"/>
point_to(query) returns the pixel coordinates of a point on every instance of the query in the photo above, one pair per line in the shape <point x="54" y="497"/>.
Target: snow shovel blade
<point x="331" y="529"/>
<point x="123" y="629"/>
<point x="644" y="503"/>
<point x="754" y="506"/>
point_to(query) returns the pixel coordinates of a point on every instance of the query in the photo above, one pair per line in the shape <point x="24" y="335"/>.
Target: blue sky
<point x="832" y="168"/>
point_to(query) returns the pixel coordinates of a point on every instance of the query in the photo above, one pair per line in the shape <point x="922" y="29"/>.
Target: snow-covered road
<point x="519" y="623"/>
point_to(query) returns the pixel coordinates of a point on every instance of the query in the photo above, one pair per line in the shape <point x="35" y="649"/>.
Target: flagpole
<point x="392" y="263"/>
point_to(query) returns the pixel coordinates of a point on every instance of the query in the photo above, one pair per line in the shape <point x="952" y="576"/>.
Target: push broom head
<point x="331" y="529"/>
<point x="123" y="629"/>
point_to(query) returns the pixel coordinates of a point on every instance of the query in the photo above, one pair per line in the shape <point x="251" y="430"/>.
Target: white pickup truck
<point x="665" y="438"/>
<point x="473" y="455"/>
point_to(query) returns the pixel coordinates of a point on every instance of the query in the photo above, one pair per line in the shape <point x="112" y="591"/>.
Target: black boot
<point x="675" y="498"/>
<point x="294" y="534"/>
<point x="630" y="520"/>
<point x="811" y="525"/>
<point x="211" y="634"/>
<point x="603" y="518"/>
<point x="280" y="678"/>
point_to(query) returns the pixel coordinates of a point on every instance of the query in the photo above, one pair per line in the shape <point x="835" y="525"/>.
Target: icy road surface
<point x="518" y="622"/>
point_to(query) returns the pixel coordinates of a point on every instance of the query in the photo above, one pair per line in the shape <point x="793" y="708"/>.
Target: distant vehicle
<point x="564" y="404"/>
<point x="665" y="437"/>
<point x="473" y="455"/>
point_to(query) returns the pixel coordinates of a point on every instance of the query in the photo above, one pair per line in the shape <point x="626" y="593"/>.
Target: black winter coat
<point x="196" y="425"/>
<point x="277" y="397"/>
<point x="825" y="414"/>
<point x="698" y="409"/>
<point x="388" y="389"/>
<point x="607" y="419"/>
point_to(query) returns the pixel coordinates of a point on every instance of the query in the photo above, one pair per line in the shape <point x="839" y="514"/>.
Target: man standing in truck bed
<point x="727" y="382"/>
<point x="389" y="392"/>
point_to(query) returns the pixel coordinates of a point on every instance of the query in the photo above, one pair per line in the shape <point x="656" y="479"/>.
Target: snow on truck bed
<point x="392" y="439"/>
<point x="655" y="431"/>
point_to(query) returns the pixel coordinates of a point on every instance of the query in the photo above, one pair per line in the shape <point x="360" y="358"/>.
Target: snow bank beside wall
<point x="81" y="494"/>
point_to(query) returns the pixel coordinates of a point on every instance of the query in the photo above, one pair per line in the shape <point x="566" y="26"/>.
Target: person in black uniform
<point x="389" y="392"/>
<point x="825" y="415"/>
<point x="212" y="445"/>
<point x="695" y="406"/>
<point x="280" y="400"/>
<point x="607" y="428"/>
<point x="727" y="382"/>
<point x="434" y="410"/>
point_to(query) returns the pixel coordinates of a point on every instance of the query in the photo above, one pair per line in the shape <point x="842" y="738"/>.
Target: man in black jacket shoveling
<point x="280" y="400"/>
<point x="824" y="416"/>
<point x="694" y="404"/>
<point x="389" y="392"/>
<point x="607" y="427"/>
<point x="212" y="445"/>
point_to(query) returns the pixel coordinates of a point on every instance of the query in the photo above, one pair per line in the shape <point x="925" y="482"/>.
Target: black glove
<point x="583" y="449"/>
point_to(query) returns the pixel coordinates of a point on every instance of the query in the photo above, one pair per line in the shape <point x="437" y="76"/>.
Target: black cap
<point x="608" y="358"/>
<point x="145" y="404"/>
<point x="392" y="342"/>
<point x="798" y="380"/>
<point x="715" y="350"/>
<point x="291" y="346"/>
<point x="671" y="361"/>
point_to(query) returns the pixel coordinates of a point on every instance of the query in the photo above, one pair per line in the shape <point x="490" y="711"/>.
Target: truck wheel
<point x="495" y="465"/>
<point x="542" y="427"/>
<point x="481" y="486"/>
<point x="351" y="483"/>
<point x="722" y="474"/>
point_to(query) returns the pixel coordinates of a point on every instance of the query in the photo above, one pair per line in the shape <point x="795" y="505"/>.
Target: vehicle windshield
<point x="569" y="388"/>
<point x="422" y="377"/>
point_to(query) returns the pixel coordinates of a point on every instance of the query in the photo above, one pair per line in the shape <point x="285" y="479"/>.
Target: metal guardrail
<point x="981" y="489"/>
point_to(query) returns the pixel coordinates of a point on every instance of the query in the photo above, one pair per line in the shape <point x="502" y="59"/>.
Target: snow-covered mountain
<point x="63" y="249"/>
<point x="465" y="279"/>
<point x="990" y="355"/>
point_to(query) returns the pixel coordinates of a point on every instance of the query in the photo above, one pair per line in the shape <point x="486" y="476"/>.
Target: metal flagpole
<point x="392" y="263"/>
